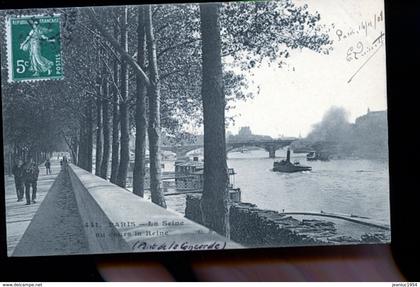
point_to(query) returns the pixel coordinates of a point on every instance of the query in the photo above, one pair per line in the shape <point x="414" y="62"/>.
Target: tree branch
<point x="156" y="10"/>
<point x="177" y="46"/>
<point x="113" y="80"/>
<point x="93" y="17"/>
<point x="162" y="28"/>
<point x="164" y="76"/>
<point x="108" y="48"/>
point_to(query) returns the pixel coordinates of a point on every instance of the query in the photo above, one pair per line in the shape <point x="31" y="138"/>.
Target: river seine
<point x="349" y="186"/>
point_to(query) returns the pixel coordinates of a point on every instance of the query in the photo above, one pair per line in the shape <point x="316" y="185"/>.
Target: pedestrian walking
<point x="48" y="166"/>
<point x="31" y="177"/>
<point x="64" y="166"/>
<point x="18" y="173"/>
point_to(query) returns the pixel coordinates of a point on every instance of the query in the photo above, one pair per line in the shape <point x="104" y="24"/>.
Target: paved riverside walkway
<point x="19" y="215"/>
<point x="56" y="227"/>
<point x="84" y="214"/>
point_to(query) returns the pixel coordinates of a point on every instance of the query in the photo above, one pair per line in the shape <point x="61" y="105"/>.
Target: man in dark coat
<point x="18" y="173"/>
<point x="48" y="166"/>
<point x="31" y="178"/>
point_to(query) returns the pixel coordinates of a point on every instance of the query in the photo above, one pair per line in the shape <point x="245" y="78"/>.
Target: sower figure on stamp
<point x="31" y="178"/>
<point x="18" y="173"/>
<point x="38" y="63"/>
<point x="48" y="166"/>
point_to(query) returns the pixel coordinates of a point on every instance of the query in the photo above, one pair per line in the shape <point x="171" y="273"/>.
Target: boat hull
<point x="290" y="170"/>
<point x="289" y="167"/>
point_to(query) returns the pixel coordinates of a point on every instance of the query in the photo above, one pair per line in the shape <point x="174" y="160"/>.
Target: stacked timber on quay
<point x="255" y="227"/>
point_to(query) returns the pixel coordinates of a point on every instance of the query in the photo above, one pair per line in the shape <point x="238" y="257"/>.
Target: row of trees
<point x="154" y="70"/>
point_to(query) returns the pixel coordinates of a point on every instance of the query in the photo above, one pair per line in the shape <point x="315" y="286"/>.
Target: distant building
<point x="366" y="138"/>
<point x="375" y="117"/>
<point x="245" y="132"/>
<point x="371" y="134"/>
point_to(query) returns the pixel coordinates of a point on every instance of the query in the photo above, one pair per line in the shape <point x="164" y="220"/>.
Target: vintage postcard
<point x="184" y="127"/>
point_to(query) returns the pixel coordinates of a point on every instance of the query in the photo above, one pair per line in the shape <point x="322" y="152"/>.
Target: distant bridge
<point x="270" y="146"/>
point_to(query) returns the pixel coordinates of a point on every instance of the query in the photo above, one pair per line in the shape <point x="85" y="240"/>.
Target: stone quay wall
<point x="117" y="220"/>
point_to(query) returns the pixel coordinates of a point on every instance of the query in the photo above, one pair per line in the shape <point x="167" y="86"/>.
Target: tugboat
<point x="287" y="166"/>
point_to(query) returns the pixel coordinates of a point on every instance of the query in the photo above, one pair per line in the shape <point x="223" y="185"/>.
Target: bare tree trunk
<point x="154" y="129"/>
<point x="89" y="134"/>
<point x="124" y="136"/>
<point x="115" y="124"/>
<point x="73" y="145"/>
<point x="98" y="158"/>
<point x="74" y="149"/>
<point x="81" y="157"/>
<point x="140" y="152"/>
<point x="214" y="203"/>
<point x="106" y="126"/>
<point x="86" y="141"/>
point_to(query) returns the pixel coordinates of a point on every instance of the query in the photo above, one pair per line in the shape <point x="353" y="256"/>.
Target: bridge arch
<point x="231" y="147"/>
<point x="181" y="151"/>
<point x="195" y="149"/>
<point x="270" y="146"/>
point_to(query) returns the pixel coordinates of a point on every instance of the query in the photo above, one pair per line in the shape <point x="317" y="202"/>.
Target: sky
<point x="295" y="97"/>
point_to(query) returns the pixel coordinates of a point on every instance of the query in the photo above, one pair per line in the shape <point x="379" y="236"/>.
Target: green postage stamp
<point x="34" y="48"/>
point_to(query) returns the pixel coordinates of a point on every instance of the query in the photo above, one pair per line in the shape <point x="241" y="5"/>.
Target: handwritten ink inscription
<point x="360" y="50"/>
<point x="186" y="246"/>
<point x="362" y="33"/>
<point x="363" y="28"/>
<point x="147" y="231"/>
